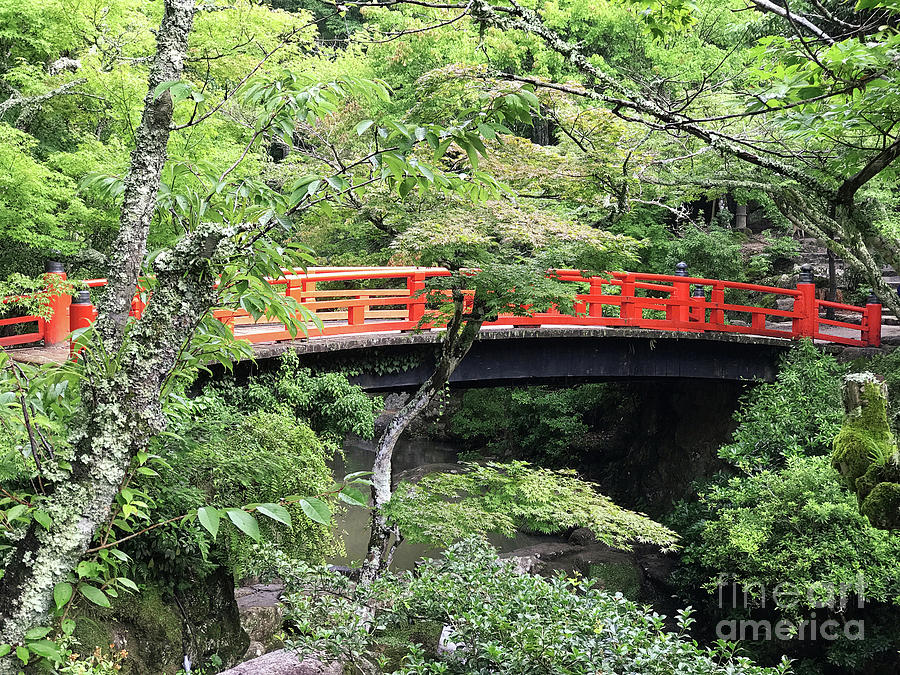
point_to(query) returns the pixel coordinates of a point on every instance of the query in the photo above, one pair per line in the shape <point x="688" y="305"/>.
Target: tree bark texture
<point x="120" y="410"/>
<point x="461" y="333"/>
<point x="143" y="178"/>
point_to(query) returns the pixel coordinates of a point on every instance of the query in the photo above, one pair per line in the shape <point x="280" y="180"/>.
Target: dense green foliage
<point x="409" y="134"/>
<point x="445" y="507"/>
<point x="538" y="423"/>
<point x="500" y="621"/>
<point x="797" y="415"/>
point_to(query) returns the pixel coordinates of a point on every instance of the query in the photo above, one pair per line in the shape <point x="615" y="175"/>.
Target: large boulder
<point x="261" y="616"/>
<point x="158" y="628"/>
<point x="283" y="662"/>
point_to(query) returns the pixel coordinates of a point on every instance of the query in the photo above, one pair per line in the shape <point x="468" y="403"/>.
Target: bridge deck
<point x="59" y="353"/>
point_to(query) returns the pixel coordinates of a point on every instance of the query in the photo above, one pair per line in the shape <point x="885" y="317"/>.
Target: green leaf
<point x="353" y="496"/>
<point x="36" y="633"/>
<point x="127" y="583"/>
<point x="68" y="626"/>
<point x="363" y="126"/>
<point x="275" y="512"/>
<point x="62" y="593"/>
<point x="163" y="87"/>
<point x="94" y="594"/>
<point x="46" y="649"/>
<point x="4" y="650"/>
<point x="244" y="522"/>
<point x="23" y="654"/>
<point x="209" y="518"/>
<point x="316" y="510"/>
<point x="43" y="518"/>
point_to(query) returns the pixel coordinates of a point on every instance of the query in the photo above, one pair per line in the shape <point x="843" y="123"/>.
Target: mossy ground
<point x="614" y="577"/>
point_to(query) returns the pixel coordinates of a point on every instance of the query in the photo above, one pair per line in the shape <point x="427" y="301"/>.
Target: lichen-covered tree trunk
<point x="120" y="409"/>
<point x="458" y="339"/>
<point x="143" y="178"/>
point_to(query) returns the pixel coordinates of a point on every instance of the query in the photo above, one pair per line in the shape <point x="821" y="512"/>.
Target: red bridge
<point x="358" y="301"/>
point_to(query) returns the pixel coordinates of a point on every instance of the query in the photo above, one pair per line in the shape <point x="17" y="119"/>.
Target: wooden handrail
<point x="678" y="303"/>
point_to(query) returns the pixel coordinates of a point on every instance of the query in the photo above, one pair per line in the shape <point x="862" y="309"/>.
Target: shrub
<point x="798" y="414"/>
<point x="798" y="529"/>
<point x="538" y="423"/>
<point x="501" y="622"/>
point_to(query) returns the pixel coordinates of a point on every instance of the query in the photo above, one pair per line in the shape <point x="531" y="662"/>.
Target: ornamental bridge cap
<point x="53" y="267"/>
<point x="83" y="297"/>
<point x="806" y="274"/>
<point x="681" y="269"/>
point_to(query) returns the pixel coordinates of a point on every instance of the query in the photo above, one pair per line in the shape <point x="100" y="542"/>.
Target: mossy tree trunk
<point x="120" y="409"/>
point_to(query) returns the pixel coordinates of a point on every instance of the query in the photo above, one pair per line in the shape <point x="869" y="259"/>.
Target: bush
<point x="327" y="402"/>
<point x="798" y="529"/>
<point x="797" y="415"/>
<point x="546" y="425"/>
<point x="501" y="621"/>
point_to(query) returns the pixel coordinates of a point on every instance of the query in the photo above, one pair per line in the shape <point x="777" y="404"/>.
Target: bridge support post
<point x="56" y="328"/>
<point x="872" y="321"/>
<point x="807" y="320"/>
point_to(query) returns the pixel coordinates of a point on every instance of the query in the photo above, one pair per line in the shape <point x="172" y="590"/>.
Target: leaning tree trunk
<point x="458" y="339"/>
<point x="120" y="411"/>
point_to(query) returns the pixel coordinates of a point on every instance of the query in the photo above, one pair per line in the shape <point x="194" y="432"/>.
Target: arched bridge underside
<point x="546" y="355"/>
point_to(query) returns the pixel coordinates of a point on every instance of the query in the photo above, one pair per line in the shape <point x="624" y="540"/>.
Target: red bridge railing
<point x="362" y="300"/>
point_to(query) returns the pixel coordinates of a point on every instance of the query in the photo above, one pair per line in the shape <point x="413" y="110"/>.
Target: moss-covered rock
<point x="865" y="438"/>
<point x="158" y="628"/>
<point x="882" y="506"/>
<point x="144" y="625"/>
<point x="865" y="452"/>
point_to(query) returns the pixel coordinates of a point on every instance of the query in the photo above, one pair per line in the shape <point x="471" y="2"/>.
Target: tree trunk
<point x="143" y="178"/>
<point x="119" y="415"/>
<point x="458" y="339"/>
<point x="120" y="411"/>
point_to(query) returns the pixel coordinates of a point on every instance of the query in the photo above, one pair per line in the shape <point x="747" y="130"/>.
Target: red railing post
<point x="627" y="309"/>
<point x="81" y="311"/>
<point x="806" y="323"/>
<point x="717" y="316"/>
<point x="698" y="309"/>
<point x="415" y="285"/>
<point x="81" y="314"/>
<point x="56" y="328"/>
<point x="356" y="314"/>
<point x="595" y="307"/>
<point x="138" y="302"/>
<point x="872" y="321"/>
<point x="681" y="295"/>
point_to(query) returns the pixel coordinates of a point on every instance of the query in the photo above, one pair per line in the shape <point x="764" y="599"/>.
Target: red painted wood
<point x="652" y="301"/>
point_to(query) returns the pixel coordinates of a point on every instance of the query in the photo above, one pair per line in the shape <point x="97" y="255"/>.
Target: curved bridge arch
<point x="502" y="357"/>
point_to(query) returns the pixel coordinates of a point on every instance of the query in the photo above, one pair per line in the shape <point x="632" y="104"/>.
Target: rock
<point x="784" y="304"/>
<point x="213" y="620"/>
<point x="582" y="537"/>
<point x="261" y="616"/>
<point x="282" y="662"/>
<point x="159" y="629"/>
<point x="444" y="644"/>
